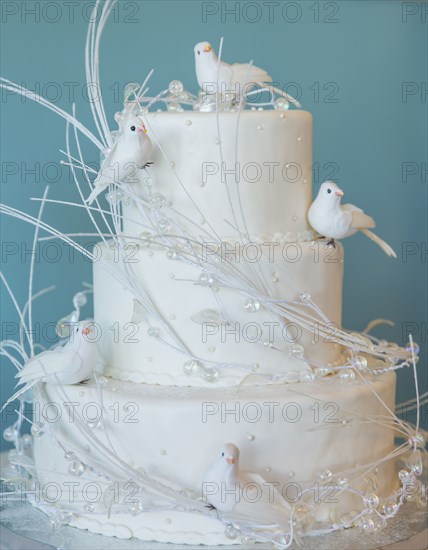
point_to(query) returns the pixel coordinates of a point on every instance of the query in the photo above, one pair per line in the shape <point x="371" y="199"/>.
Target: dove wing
<point x="342" y="221"/>
<point x="49" y="364"/>
<point x="360" y="220"/>
<point x="245" y="72"/>
<point x="263" y="504"/>
<point x="225" y="74"/>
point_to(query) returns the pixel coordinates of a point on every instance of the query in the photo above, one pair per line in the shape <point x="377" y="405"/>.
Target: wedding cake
<point x="227" y="405"/>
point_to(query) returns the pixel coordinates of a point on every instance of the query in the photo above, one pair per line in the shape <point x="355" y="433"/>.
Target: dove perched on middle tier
<point x="131" y="151"/>
<point x="243" y="495"/>
<point x="237" y="78"/>
<point x="334" y="220"/>
<point x="72" y="363"/>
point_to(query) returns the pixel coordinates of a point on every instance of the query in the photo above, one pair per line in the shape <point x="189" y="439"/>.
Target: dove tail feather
<point x="95" y="192"/>
<point x="384" y="246"/>
<point x="18" y="393"/>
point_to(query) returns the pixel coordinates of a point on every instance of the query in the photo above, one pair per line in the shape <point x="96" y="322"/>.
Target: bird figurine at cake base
<point x="72" y="363"/>
<point x="243" y="495"/>
<point x="131" y="151"/>
<point x="334" y="220"/>
<point x="216" y="77"/>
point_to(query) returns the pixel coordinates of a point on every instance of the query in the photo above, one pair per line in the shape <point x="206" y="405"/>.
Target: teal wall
<point x="363" y="52"/>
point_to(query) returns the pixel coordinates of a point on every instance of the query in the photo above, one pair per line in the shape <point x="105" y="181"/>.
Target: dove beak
<point x="231" y="460"/>
<point x="339" y="193"/>
<point x="207" y="49"/>
<point x="142" y="129"/>
<point x="86" y="331"/>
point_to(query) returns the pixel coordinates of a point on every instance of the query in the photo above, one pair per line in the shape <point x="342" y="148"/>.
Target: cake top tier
<point x="232" y="172"/>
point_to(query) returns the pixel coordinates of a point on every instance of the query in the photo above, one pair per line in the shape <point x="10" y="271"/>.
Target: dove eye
<point x="328" y="190"/>
<point x="222" y="454"/>
<point x="133" y="128"/>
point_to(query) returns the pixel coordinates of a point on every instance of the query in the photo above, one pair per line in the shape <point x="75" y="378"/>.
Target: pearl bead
<point x="251" y="437"/>
<point x="10" y="434"/>
<point x="37" y="429"/>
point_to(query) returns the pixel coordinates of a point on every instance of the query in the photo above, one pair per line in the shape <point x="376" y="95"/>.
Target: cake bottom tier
<point x="313" y="440"/>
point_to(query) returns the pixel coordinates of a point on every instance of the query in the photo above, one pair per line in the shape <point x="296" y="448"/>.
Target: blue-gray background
<point x="350" y="61"/>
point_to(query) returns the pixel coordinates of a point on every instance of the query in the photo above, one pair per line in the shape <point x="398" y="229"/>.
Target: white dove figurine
<point x="214" y="77"/>
<point x="131" y="151"/>
<point x="208" y="71"/>
<point x="72" y="363"/>
<point x="334" y="220"/>
<point x="243" y="495"/>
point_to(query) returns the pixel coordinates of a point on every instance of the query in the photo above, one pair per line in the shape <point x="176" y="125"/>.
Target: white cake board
<point x="24" y="527"/>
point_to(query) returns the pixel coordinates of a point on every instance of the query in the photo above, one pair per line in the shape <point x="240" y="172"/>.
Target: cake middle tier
<point x="250" y="169"/>
<point x="163" y="320"/>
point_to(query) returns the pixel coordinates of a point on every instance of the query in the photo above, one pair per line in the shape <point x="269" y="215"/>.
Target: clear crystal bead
<point x="206" y="279"/>
<point x="371" y="500"/>
<point x="77" y="468"/>
<point x="175" y="87"/>
<point x="305" y="296"/>
<point x="211" y="375"/>
<point x="157" y="201"/>
<point x="347" y="375"/>
<point x="153" y="332"/>
<point x="389" y="507"/>
<point x="281" y="104"/>
<point x="359" y="362"/>
<point x="231" y="532"/>
<point x="296" y="351"/>
<point x="252" y="305"/>
<point x="307" y="376"/>
<point x="191" y="367"/>
<point x="326" y="475"/>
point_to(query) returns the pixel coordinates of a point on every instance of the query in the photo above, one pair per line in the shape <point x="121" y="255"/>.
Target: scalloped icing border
<point x="122" y="531"/>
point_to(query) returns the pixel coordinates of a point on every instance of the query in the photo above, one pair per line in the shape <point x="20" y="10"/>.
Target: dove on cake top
<point x="216" y="77"/>
<point x="334" y="220"/>
<point x="131" y="152"/>
<point x="243" y="494"/>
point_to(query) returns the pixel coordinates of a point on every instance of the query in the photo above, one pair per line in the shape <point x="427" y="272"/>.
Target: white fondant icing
<point x="272" y="170"/>
<point x="288" y="268"/>
<point x="299" y="429"/>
